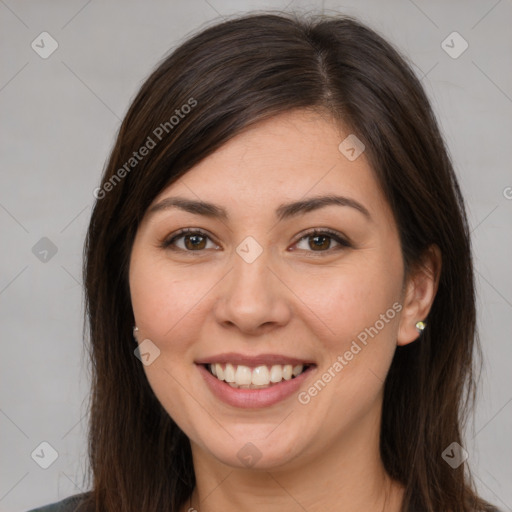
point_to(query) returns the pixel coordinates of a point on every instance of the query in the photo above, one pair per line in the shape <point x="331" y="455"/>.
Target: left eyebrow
<point x="284" y="211"/>
<point x="314" y="203"/>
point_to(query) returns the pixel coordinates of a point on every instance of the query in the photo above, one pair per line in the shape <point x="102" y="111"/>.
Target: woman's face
<point x="254" y="292"/>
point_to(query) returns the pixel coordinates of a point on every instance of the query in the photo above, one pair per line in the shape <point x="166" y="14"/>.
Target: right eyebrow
<point x="191" y="206"/>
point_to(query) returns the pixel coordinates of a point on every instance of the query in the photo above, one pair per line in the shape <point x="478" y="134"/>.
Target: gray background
<point x="59" y="118"/>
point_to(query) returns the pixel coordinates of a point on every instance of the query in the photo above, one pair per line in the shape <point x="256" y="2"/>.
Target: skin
<point x="294" y="299"/>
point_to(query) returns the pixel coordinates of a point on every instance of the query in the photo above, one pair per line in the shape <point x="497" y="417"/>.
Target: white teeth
<point x="244" y="377"/>
<point x="297" y="370"/>
<point x="219" y="372"/>
<point x="276" y="373"/>
<point x="260" y="376"/>
<point x="229" y="373"/>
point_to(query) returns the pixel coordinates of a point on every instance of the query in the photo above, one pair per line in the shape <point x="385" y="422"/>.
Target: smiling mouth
<point x="259" y="377"/>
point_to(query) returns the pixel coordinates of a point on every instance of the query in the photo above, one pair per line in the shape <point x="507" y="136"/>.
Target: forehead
<point x="287" y="157"/>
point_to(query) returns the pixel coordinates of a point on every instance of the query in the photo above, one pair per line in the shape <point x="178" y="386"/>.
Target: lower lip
<point x="253" y="398"/>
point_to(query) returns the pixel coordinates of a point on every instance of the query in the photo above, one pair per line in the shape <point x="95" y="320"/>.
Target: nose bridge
<point x="251" y="268"/>
<point x="250" y="288"/>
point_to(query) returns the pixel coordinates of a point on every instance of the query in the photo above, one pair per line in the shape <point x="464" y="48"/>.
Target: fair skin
<point x="302" y="297"/>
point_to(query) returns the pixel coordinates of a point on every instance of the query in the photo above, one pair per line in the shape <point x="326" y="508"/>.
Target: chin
<point x="257" y="447"/>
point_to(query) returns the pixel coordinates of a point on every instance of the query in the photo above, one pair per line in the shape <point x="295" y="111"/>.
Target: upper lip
<point x="252" y="360"/>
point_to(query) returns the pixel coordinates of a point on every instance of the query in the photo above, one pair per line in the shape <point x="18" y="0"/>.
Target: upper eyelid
<point x="189" y="231"/>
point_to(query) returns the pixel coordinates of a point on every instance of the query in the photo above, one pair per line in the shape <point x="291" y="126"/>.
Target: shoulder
<point x="69" y="504"/>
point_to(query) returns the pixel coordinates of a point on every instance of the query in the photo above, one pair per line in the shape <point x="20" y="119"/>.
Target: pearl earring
<point x="421" y="326"/>
<point x="135" y="331"/>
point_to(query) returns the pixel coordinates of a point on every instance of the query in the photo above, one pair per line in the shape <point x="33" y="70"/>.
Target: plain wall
<point x="59" y="117"/>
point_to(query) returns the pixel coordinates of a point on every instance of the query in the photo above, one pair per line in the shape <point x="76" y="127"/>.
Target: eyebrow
<point x="284" y="211"/>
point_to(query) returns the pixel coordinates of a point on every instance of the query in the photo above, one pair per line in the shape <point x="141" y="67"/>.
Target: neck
<point x="347" y="477"/>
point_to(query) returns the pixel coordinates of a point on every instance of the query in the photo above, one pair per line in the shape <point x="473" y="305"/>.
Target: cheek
<point x="355" y="321"/>
<point x="166" y="304"/>
<point x="164" y="299"/>
<point x="356" y="317"/>
<point x="344" y="303"/>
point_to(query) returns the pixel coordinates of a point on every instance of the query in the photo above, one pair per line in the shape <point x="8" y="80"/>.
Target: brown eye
<point x="188" y="240"/>
<point x="321" y="241"/>
<point x="194" y="242"/>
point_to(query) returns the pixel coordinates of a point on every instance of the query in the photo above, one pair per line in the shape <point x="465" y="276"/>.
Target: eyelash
<point x="168" y="242"/>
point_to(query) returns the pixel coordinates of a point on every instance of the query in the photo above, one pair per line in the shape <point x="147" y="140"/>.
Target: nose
<point x="253" y="297"/>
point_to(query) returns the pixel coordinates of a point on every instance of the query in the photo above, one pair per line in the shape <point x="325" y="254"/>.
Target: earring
<point x="135" y="331"/>
<point x="421" y="326"/>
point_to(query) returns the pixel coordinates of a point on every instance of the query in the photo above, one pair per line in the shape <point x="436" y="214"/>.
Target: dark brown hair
<point x="232" y="75"/>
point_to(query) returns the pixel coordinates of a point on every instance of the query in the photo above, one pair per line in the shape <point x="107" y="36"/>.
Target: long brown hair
<point x="230" y="76"/>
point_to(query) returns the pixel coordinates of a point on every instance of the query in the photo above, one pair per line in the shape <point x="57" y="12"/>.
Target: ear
<point x="420" y="289"/>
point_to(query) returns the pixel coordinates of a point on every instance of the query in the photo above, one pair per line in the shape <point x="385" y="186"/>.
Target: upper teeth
<point x="261" y="376"/>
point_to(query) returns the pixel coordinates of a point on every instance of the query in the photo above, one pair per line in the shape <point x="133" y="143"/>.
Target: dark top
<point x="70" y="504"/>
<point x="65" y="505"/>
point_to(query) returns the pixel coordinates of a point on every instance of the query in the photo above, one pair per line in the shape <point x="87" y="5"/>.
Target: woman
<point x="281" y="231"/>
